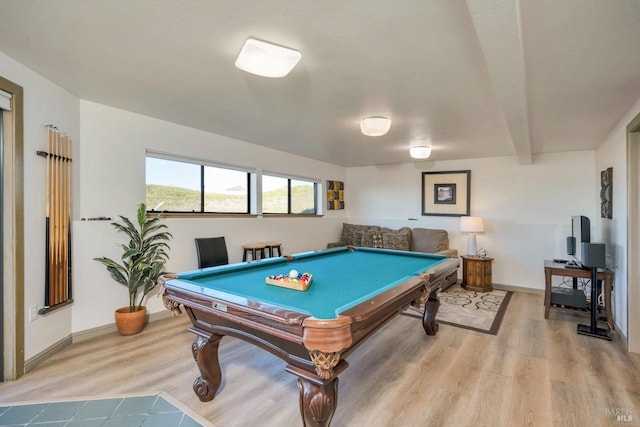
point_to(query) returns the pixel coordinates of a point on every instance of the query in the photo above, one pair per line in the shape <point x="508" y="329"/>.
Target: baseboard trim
<point x="47" y="353"/>
<point x="518" y="289"/>
<point x="88" y="334"/>
<point x="111" y="328"/>
<point x="623" y="342"/>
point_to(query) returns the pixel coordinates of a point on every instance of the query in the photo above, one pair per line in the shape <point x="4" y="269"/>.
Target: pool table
<point x="354" y="291"/>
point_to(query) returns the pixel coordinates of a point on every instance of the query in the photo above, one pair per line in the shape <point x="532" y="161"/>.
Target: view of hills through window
<point x="176" y="186"/>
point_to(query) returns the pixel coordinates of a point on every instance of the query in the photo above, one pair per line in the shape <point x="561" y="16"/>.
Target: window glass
<point x="303" y="197"/>
<point x="178" y="186"/>
<point x="188" y="186"/>
<point x="172" y="186"/>
<point x="275" y="194"/>
<point x="225" y="190"/>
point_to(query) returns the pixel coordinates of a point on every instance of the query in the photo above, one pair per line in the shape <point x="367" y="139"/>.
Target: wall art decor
<point x="335" y="195"/>
<point x="606" y="193"/>
<point x="446" y="193"/>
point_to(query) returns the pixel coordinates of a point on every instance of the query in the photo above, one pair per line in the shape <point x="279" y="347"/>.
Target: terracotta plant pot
<point x="130" y="323"/>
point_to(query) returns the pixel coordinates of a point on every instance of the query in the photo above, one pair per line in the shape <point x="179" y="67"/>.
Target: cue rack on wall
<point x="57" y="220"/>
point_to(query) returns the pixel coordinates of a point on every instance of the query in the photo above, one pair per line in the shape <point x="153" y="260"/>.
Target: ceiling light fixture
<point x="375" y="126"/>
<point x="420" y="152"/>
<point x="266" y="59"/>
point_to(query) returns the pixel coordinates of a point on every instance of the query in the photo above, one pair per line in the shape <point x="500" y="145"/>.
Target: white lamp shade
<point x="266" y="59"/>
<point x="471" y="224"/>
<point x="375" y="126"/>
<point x="420" y="152"/>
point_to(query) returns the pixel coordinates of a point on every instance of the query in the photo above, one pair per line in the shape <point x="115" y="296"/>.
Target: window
<point x="181" y="186"/>
<point x="282" y="195"/>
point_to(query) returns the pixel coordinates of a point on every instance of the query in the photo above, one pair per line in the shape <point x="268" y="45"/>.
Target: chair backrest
<point x="212" y="251"/>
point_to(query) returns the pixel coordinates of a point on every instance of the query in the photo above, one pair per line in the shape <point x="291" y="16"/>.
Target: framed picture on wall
<point x="446" y="193"/>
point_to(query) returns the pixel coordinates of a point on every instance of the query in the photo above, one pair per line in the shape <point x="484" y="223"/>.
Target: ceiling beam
<point x="498" y="27"/>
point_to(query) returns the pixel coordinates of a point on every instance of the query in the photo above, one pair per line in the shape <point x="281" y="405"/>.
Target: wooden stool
<point x="270" y="246"/>
<point x="253" y="248"/>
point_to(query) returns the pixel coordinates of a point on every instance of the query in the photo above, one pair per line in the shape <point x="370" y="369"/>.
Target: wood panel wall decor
<point x="57" y="220"/>
<point x="335" y="195"/>
<point x="606" y="193"/>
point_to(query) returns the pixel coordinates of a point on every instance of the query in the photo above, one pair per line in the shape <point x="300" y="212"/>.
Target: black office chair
<point x="212" y="251"/>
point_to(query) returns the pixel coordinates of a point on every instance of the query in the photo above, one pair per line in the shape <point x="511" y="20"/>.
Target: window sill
<point x="276" y="215"/>
<point x="169" y="215"/>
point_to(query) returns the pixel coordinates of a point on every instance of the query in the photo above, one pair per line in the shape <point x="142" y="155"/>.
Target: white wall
<point x="44" y="103"/>
<point x="112" y="182"/>
<point x="527" y="209"/>
<point x="612" y="152"/>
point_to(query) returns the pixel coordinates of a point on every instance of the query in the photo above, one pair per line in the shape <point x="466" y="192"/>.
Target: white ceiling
<point x="474" y="78"/>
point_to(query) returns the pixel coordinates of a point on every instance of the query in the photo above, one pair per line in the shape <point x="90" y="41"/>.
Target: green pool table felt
<point x="341" y="278"/>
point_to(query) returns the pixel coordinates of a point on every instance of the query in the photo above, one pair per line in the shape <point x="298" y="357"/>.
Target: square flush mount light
<point x="266" y="59"/>
<point x="375" y="126"/>
<point x="420" y="152"/>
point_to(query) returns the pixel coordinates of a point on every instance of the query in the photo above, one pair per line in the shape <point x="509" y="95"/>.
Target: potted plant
<point x="142" y="262"/>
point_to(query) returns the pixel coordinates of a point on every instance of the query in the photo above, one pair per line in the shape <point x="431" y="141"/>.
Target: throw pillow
<point x="377" y="239"/>
<point x="429" y="240"/>
<point x="351" y="234"/>
<point x="368" y="236"/>
<point x="396" y="239"/>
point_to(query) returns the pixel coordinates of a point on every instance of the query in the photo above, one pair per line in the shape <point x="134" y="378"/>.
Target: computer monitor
<point x="580" y="233"/>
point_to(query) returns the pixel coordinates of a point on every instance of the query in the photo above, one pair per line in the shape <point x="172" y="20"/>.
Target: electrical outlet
<point x="33" y="312"/>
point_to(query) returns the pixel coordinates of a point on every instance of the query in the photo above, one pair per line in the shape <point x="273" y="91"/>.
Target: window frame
<point x="316" y="203"/>
<point x="202" y="164"/>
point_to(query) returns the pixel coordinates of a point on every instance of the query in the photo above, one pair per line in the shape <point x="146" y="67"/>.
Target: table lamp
<point x="471" y="225"/>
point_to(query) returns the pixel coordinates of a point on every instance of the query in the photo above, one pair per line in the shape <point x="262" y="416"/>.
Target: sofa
<point x="404" y="239"/>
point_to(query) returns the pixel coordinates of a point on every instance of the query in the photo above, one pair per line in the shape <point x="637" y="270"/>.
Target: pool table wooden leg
<point x="205" y="353"/>
<point x="318" y="397"/>
<point x="429" y="322"/>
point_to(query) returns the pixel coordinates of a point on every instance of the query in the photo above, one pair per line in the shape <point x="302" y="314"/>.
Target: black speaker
<point x="571" y="245"/>
<point x="593" y="255"/>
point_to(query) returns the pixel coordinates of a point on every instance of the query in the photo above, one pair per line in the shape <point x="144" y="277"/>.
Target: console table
<point x="558" y="269"/>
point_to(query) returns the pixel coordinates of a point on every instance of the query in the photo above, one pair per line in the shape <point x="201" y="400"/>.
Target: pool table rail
<point x="207" y="312"/>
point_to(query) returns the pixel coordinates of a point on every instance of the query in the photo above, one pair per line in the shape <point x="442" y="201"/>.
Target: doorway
<point x="1" y="258"/>
<point x="12" y="232"/>
<point x="633" y="228"/>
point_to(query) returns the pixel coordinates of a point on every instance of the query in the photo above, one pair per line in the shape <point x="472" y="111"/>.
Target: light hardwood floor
<point x="535" y="372"/>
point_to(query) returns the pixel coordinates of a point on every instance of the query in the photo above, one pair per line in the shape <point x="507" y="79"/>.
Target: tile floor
<point x="147" y="411"/>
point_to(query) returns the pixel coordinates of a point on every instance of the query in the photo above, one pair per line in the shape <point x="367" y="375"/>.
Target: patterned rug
<point x="478" y="311"/>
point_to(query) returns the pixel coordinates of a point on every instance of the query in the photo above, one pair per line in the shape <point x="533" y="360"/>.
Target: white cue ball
<point x="293" y="274"/>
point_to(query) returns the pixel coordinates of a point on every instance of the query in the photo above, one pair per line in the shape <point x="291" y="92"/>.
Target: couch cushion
<point x="396" y="239"/>
<point x="377" y="239"/>
<point x="358" y="235"/>
<point x="429" y="240"/>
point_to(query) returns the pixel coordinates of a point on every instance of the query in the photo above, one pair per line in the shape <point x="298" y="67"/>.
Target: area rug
<point x="148" y="410"/>
<point x="478" y="311"/>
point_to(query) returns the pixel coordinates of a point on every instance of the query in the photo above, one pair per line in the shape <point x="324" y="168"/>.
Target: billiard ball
<point x="293" y="274"/>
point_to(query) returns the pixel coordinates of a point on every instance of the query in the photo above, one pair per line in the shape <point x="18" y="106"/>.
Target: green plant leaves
<point x="143" y="258"/>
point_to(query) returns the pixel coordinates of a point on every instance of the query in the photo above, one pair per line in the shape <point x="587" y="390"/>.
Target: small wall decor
<point x="606" y="193"/>
<point x="335" y="195"/>
<point x="446" y="193"/>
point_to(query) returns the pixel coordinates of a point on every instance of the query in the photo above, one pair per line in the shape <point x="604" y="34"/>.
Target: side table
<point x="476" y="273"/>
